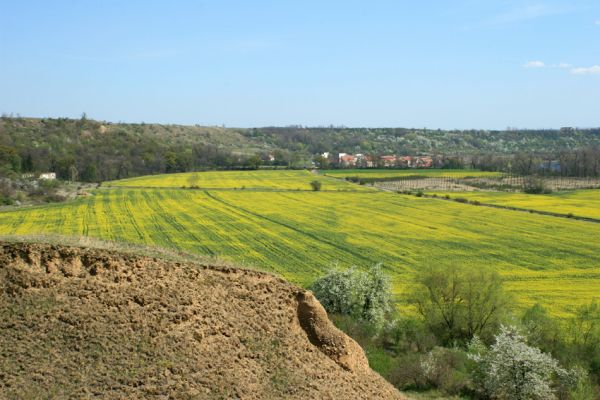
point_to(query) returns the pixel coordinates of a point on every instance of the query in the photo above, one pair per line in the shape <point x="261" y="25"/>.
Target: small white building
<point x="48" y="176"/>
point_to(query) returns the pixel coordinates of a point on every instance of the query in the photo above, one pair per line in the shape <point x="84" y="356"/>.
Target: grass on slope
<point x="581" y="203"/>
<point x="404" y="173"/>
<point x="300" y="234"/>
<point x="277" y="180"/>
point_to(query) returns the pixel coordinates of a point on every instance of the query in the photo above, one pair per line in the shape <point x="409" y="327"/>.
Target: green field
<point x="403" y="173"/>
<point x="300" y="234"/>
<point x="581" y="203"/>
<point x="272" y="180"/>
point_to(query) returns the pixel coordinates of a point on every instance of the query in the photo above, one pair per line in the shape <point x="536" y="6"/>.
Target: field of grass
<point x="403" y="173"/>
<point x="581" y="203"/>
<point x="272" y="180"/>
<point x="300" y="234"/>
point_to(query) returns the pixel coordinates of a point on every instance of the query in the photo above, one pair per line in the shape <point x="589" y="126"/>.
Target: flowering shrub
<point x="511" y="369"/>
<point x="362" y="294"/>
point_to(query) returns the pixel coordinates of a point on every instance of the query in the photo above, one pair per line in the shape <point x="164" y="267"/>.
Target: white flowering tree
<point x="361" y="294"/>
<point x="511" y="369"/>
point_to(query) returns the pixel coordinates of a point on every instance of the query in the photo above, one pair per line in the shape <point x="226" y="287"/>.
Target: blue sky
<point x="437" y="64"/>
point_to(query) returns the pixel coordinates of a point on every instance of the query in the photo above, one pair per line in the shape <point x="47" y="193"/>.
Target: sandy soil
<point x="80" y="323"/>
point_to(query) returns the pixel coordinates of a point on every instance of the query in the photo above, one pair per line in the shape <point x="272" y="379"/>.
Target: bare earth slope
<point x="80" y="322"/>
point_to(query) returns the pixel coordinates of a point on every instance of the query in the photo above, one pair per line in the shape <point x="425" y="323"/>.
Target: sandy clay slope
<point x="81" y="323"/>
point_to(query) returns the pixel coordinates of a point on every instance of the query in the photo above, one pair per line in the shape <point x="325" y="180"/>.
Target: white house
<point x="48" y="176"/>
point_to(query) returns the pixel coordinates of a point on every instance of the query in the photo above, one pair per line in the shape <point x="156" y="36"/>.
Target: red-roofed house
<point x="388" y="161"/>
<point x="347" y="160"/>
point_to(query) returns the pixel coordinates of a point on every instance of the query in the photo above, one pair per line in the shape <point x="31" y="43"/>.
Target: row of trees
<point x="583" y="162"/>
<point x="413" y="141"/>
<point x="466" y="337"/>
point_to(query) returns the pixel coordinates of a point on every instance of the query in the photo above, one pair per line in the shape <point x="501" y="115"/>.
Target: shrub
<point x="419" y="193"/>
<point x="406" y="373"/>
<point x="535" y="185"/>
<point x="542" y="330"/>
<point x="361" y="331"/>
<point x="364" y="295"/>
<point x="6" y="201"/>
<point x="446" y="369"/>
<point x="511" y="369"/>
<point x="315" y="185"/>
<point x="54" y="198"/>
<point x="407" y="334"/>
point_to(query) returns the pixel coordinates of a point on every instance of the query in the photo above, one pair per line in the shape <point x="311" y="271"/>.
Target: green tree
<point x="254" y="162"/>
<point x="27" y="163"/>
<point x="171" y="164"/>
<point x="89" y="173"/>
<point x="458" y="303"/>
<point x="73" y="173"/>
<point x="10" y="162"/>
<point x="585" y="325"/>
<point x="543" y="331"/>
<point x="321" y="161"/>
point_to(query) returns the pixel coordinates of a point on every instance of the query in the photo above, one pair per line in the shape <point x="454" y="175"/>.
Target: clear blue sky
<point x="436" y="64"/>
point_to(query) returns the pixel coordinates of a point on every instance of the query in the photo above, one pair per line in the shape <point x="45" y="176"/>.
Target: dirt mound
<point x="81" y="322"/>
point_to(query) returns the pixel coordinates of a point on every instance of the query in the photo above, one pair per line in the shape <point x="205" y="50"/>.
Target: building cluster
<point x="365" y="161"/>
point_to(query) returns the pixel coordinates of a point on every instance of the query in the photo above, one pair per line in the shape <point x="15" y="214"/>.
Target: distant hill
<point x="97" y="151"/>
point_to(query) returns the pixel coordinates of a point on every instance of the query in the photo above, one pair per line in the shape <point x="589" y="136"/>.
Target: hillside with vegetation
<point x="93" y="151"/>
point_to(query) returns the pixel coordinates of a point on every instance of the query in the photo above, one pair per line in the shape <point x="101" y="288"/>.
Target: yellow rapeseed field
<point x="581" y="203"/>
<point x="259" y="179"/>
<point x="300" y="234"/>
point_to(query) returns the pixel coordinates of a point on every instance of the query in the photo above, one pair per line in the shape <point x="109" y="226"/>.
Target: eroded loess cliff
<point x="80" y="322"/>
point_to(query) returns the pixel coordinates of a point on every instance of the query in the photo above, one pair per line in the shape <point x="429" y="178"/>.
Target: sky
<point x="455" y="64"/>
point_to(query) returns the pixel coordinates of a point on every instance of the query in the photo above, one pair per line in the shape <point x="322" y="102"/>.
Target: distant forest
<point x="94" y="151"/>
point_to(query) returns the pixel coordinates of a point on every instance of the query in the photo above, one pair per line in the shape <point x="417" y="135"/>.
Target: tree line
<point x="93" y="151"/>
